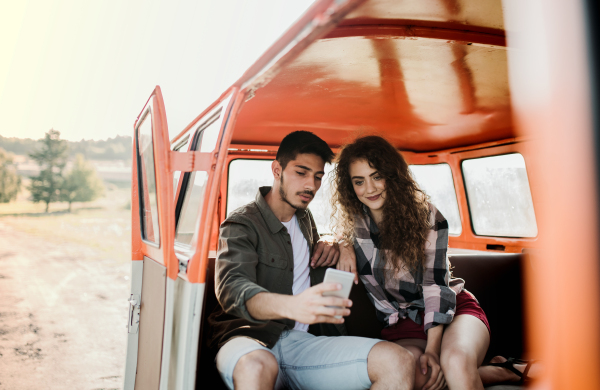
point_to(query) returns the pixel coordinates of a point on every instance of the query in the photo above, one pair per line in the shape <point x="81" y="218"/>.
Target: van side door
<point x="153" y="259"/>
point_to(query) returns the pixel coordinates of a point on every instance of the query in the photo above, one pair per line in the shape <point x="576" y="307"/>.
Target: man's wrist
<point x="286" y="305"/>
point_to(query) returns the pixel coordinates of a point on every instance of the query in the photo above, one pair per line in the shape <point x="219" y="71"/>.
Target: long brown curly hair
<point x="403" y="230"/>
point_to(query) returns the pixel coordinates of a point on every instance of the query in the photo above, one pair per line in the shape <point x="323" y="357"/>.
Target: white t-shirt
<point x="301" y="257"/>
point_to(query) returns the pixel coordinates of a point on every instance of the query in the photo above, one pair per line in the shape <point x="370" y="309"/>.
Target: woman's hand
<point x="436" y="380"/>
<point x="347" y="260"/>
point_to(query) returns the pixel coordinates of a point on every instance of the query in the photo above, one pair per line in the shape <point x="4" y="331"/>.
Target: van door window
<point x="499" y="197"/>
<point x="194" y="183"/>
<point x="436" y="180"/>
<point x="148" y="200"/>
<point x="181" y="146"/>
<point x="246" y="176"/>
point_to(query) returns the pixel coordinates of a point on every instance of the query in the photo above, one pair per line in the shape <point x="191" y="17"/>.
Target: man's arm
<point x="235" y="268"/>
<point x="309" y="307"/>
<point x="240" y="295"/>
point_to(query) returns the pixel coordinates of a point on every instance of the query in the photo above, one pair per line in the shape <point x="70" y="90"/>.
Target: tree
<point x="10" y="181"/>
<point x="81" y="184"/>
<point x="51" y="158"/>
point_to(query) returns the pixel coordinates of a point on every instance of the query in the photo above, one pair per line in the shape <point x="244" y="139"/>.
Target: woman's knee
<point x="458" y="357"/>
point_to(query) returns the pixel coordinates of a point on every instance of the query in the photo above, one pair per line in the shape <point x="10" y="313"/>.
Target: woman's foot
<point x="494" y="374"/>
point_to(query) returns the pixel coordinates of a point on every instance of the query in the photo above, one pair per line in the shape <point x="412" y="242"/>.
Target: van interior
<point x="432" y="78"/>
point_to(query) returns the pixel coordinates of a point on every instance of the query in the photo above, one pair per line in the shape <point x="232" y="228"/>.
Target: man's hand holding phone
<point x="311" y="307"/>
<point x="326" y="302"/>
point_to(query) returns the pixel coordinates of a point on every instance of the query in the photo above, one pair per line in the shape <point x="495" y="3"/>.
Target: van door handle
<point x="133" y="323"/>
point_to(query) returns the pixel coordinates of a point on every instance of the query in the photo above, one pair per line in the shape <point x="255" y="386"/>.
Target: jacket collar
<point x="272" y="221"/>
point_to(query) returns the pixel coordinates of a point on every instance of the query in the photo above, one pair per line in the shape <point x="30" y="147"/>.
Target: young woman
<point x="399" y="252"/>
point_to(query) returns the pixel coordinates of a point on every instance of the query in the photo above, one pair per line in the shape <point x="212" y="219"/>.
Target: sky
<point x="86" y="67"/>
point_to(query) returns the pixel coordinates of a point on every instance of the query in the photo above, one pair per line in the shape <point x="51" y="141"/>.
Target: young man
<point x="272" y="325"/>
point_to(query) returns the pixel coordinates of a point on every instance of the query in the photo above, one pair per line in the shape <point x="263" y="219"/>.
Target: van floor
<point x="63" y="314"/>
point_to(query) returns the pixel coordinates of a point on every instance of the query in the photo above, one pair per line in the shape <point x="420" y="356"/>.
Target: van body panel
<point x="137" y="269"/>
<point x="185" y="334"/>
<point x="152" y="316"/>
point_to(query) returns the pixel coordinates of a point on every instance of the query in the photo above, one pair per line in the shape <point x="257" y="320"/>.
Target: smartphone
<point x="346" y="279"/>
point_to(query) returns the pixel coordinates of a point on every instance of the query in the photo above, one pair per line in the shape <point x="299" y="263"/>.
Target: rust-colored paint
<point x="164" y="252"/>
<point x="199" y="260"/>
<point x="552" y="107"/>
<point x="136" y="232"/>
<point x="424" y="94"/>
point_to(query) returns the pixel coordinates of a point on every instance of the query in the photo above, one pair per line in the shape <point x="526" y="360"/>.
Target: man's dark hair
<point x="302" y="142"/>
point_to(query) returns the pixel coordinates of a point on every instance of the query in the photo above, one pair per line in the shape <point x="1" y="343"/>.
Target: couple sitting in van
<point x="273" y="325"/>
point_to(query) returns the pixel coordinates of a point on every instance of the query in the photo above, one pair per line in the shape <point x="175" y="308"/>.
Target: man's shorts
<point x="306" y="361"/>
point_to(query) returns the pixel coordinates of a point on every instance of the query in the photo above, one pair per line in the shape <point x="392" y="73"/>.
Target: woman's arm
<point x="431" y="358"/>
<point x="347" y="261"/>
<point x="440" y="300"/>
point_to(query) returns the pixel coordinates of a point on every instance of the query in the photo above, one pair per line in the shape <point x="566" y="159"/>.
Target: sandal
<point x="509" y="365"/>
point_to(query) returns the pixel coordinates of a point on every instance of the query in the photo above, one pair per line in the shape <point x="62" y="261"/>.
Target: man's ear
<point x="276" y="169"/>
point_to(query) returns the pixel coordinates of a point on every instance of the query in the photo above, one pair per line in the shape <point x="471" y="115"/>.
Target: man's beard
<point x="283" y="195"/>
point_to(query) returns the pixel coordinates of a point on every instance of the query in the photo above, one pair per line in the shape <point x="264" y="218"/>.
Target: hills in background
<point x="118" y="148"/>
<point x="110" y="157"/>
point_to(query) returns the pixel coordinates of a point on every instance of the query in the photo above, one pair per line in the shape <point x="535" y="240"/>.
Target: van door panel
<point x="152" y="249"/>
<point x="152" y="314"/>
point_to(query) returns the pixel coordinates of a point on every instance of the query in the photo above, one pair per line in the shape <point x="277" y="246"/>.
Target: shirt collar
<point x="370" y="222"/>
<point x="272" y="221"/>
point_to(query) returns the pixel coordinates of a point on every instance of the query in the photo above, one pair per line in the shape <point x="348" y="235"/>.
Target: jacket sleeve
<point x="440" y="300"/>
<point x="235" y="268"/>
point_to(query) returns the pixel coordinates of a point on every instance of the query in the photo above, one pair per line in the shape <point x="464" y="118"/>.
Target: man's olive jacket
<point x="255" y="255"/>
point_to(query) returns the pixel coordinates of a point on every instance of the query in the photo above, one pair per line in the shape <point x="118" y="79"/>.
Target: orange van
<point x="494" y="105"/>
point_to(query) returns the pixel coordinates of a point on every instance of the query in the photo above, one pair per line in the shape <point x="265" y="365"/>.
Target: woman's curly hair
<point x="405" y="224"/>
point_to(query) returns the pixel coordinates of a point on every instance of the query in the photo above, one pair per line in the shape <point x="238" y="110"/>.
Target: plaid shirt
<point x="407" y="293"/>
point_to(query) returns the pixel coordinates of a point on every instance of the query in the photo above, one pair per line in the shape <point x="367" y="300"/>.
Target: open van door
<point x="173" y="208"/>
<point x="152" y="248"/>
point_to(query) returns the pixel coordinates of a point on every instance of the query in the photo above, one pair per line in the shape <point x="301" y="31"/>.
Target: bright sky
<point x="86" y="67"/>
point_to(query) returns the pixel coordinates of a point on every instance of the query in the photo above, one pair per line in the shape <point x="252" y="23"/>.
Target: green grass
<point x="104" y="225"/>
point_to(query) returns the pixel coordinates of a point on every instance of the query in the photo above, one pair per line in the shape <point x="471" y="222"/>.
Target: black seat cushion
<point x="496" y="282"/>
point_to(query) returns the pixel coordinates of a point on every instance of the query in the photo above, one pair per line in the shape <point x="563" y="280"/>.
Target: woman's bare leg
<point x="464" y="346"/>
<point x="416" y="347"/>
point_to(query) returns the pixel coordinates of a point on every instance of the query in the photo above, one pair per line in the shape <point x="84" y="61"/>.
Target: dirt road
<point x="63" y="311"/>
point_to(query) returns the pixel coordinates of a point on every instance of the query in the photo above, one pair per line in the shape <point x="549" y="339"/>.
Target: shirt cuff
<point x="244" y="296"/>
<point x="433" y="319"/>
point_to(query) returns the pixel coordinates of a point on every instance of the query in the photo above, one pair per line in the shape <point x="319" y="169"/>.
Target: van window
<point x="499" y="196"/>
<point x="436" y="181"/>
<point x="147" y="179"/>
<point x="189" y="206"/>
<point x="181" y="146"/>
<point x="246" y="176"/>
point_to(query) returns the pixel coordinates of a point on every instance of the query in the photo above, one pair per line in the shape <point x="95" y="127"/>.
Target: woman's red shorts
<point x="408" y="329"/>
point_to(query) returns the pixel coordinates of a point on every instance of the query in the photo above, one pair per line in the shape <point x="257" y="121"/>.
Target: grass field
<point x="103" y="224"/>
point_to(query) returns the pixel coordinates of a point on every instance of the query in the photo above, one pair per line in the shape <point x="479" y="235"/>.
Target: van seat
<point x="494" y="279"/>
<point x="496" y="282"/>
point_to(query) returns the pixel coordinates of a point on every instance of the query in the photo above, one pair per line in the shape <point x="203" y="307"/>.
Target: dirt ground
<point x="63" y="299"/>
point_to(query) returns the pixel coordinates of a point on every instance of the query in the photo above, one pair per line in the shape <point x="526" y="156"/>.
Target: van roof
<point x="428" y="75"/>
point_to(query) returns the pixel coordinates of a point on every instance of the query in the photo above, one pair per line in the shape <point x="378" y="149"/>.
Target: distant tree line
<point x="10" y="181"/>
<point x="52" y="184"/>
<point x="118" y="148"/>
